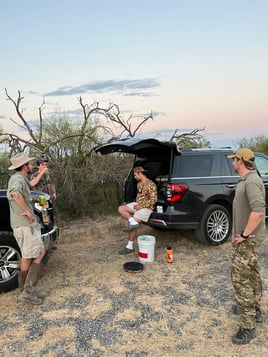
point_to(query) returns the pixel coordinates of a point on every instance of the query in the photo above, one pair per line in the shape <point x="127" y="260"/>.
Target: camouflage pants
<point x="246" y="281"/>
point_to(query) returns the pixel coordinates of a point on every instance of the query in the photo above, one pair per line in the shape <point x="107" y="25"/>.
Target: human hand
<point x="28" y="214"/>
<point x="238" y="239"/>
<point x="46" y="170"/>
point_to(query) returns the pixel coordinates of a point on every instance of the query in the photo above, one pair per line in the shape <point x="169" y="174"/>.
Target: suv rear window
<point x="192" y="166"/>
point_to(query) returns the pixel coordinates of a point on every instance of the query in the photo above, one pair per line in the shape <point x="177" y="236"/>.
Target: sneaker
<point x="126" y="250"/>
<point x="131" y="227"/>
<point x="243" y="336"/>
<point x="30" y="298"/>
<point x="258" y="313"/>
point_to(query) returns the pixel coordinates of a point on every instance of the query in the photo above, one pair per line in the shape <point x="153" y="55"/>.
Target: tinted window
<point x="193" y="166"/>
<point x="232" y="168"/>
<point x="262" y="165"/>
<point x="227" y="167"/>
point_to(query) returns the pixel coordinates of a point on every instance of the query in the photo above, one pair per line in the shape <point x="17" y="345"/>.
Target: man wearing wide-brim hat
<point x="25" y="228"/>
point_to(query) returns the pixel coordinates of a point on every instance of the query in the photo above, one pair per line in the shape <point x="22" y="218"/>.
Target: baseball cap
<point x="138" y="169"/>
<point x="41" y="159"/>
<point x="245" y="154"/>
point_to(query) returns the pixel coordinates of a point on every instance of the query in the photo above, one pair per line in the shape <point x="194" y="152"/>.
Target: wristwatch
<point x="243" y="236"/>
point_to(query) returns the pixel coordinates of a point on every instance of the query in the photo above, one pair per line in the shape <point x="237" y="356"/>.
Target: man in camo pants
<point x="248" y="234"/>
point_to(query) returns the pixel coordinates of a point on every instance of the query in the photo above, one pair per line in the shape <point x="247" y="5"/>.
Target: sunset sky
<point x="193" y="63"/>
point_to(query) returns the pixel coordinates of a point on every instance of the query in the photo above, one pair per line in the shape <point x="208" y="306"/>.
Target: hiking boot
<point x="41" y="294"/>
<point x="126" y="250"/>
<point x="243" y="336"/>
<point x="29" y="298"/>
<point x="258" y="313"/>
<point x="131" y="227"/>
<point x="235" y="310"/>
<point x="258" y="316"/>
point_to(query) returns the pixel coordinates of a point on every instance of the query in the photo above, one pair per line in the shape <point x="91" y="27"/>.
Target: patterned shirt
<point x="44" y="184"/>
<point x="147" y="194"/>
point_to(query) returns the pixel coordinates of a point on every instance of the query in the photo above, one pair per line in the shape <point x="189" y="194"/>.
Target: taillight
<point x="175" y="192"/>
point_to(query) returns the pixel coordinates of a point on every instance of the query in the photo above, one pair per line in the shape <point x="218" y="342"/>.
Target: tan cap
<point x="138" y="169"/>
<point x="245" y="154"/>
<point x="19" y="160"/>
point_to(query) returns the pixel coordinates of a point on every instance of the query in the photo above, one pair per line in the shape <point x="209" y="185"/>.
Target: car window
<point x="233" y="173"/>
<point x="262" y="165"/>
<point x="227" y="167"/>
<point x="193" y="166"/>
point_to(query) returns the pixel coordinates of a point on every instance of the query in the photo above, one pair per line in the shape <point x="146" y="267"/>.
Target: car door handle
<point x="231" y="185"/>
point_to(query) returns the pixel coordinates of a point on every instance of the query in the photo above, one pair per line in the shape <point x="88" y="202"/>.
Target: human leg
<point x="130" y="245"/>
<point x="256" y="281"/>
<point x="33" y="250"/>
<point x="126" y="211"/>
<point x="242" y="282"/>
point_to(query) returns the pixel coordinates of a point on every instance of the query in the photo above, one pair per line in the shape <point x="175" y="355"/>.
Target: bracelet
<point x="243" y="236"/>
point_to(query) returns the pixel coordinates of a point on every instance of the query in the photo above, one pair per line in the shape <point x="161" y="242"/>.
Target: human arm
<point x="18" y="198"/>
<point x="34" y="181"/>
<point x="254" y="220"/>
<point x="52" y="191"/>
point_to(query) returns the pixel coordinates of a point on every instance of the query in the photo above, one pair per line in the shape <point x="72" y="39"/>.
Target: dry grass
<point x="95" y="308"/>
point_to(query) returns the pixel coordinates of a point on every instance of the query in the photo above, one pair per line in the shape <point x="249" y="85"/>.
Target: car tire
<point x="215" y="225"/>
<point x="9" y="262"/>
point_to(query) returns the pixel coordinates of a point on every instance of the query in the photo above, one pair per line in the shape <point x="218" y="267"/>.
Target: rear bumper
<point x="50" y="238"/>
<point x="173" y="219"/>
<point x="169" y="225"/>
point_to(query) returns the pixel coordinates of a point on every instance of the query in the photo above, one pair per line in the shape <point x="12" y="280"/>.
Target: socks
<point x="132" y="221"/>
<point x="130" y="244"/>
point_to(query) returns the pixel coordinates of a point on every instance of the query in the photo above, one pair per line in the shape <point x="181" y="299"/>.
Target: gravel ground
<point x="95" y="308"/>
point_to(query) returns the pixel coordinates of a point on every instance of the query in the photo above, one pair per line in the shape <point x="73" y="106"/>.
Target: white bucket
<point x="146" y="245"/>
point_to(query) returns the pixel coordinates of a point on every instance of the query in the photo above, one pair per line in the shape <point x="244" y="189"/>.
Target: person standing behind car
<point x="27" y="231"/>
<point x="248" y="235"/>
<point x="136" y="212"/>
<point x="41" y="179"/>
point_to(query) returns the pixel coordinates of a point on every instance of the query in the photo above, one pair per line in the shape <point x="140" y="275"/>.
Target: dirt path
<point x="95" y="308"/>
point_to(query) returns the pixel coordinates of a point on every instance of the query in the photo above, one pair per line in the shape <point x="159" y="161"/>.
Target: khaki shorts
<point x="143" y="214"/>
<point x="29" y="240"/>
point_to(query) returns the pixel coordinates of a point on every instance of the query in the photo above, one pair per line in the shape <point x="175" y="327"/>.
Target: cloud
<point x="136" y="87"/>
<point x="139" y="94"/>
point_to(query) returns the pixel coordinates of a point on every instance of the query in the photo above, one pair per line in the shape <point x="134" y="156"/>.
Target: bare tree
<point x="68" y="147"/>
<point x="90" y="128"/>
<point x="193" y="138"/>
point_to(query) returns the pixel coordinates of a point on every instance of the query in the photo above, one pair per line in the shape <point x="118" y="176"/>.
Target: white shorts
<point x="143" y="214"/>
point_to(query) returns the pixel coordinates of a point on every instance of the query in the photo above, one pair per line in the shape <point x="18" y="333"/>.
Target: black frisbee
<point x="133" y="267"/>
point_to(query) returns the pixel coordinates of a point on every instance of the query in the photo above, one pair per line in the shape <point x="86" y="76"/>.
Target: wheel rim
<point x="9" y="263"/>
<point x="218" y="226"/>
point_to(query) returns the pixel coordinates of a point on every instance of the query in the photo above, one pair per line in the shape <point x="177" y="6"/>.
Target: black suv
<point x="195" y="186"/>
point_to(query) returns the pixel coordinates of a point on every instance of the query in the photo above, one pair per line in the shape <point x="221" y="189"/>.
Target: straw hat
<point x="19" y="159"/>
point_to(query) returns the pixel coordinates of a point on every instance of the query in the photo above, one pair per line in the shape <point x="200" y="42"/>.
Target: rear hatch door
<point x="143" y="148"/>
